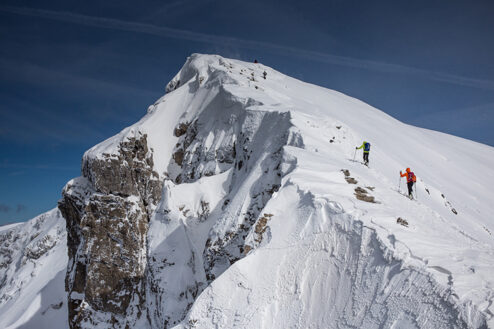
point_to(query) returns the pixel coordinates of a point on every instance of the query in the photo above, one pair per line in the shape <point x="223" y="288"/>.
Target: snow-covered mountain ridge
<point x="33" y="262"/>
<point x="235" y="203"/>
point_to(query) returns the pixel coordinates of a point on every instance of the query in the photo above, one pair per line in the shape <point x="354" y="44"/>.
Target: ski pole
<point x="416" y="197"/>
<point x="354" y="154"/>
<point x="399" y="184"/>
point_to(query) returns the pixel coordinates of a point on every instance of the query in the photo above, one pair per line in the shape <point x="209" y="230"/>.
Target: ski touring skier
<point x="411" y="179"/>
<point x="366" y="146"/>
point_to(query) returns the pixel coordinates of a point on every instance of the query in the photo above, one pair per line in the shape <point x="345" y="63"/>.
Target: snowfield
<point x="268" y="219"/>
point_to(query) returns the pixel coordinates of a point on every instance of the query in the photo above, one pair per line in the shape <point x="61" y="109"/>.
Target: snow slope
<point x="303" y="273"/>
<point x="265" y="219"/>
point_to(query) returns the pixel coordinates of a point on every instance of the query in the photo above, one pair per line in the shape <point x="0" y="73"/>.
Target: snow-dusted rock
<point x="107" y="213"/>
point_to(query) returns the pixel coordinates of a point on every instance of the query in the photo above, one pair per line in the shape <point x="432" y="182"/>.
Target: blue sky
<point x="73" y="73"/>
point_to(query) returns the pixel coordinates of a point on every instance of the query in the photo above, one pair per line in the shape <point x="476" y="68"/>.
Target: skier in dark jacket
<point x="366" y="146"/>
<point x="411" y="179"/>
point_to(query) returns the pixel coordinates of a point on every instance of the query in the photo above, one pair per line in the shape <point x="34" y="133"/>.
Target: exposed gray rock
<point x="130" y="172"/>
<point x="107" y="213"/>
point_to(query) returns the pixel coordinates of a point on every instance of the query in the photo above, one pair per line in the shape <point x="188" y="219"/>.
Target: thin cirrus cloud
<point x="163" y="31"/>
<point x="470" y="117"/>
<point x="24" y="72"/>
<point x="24" y="123"/>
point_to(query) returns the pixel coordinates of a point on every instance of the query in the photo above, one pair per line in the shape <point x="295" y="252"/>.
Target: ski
<point x="405" y="195"/>
<point x="362" y="163"/>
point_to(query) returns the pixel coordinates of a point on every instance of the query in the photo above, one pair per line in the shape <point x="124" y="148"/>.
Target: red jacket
<point x="409" y="175"/>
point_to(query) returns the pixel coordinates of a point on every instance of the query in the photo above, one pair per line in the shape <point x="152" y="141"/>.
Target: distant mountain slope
<point x="239" y="201"/>
<point x="33" y="262"/>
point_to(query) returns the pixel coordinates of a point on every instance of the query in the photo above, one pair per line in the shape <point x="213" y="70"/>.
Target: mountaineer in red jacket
<point x="411" y="179"/>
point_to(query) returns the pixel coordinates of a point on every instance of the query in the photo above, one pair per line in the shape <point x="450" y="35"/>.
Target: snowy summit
<point x="240" y="201"/>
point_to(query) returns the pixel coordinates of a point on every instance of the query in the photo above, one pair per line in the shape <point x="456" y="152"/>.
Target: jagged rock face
<point x="204" y="152"/>
<point x="256" y="165"/>
<point x="130" y="172"/>
<point x="110" y="263"/>
<point x="107" y="213"/>
<point x="7" y="239"/>
<point x="233" y="145"/>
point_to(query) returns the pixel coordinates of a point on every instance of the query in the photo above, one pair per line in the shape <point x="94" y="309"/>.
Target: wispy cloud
<point x="24" y="120"/>
<point x="466" y="122"/>
<point x="477" y="114"/>
<point x="25" y="71"/>
<point x="178" y="6"/>
<point x="27" y="121"/>
<point x="167" y="32"/>
<point x="16" y="173"/>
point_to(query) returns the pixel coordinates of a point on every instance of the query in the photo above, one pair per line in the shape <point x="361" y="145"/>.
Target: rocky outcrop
<point x="107" y="213"/>
<point x="192" y="158"/>
<point x="129" y="172"/>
